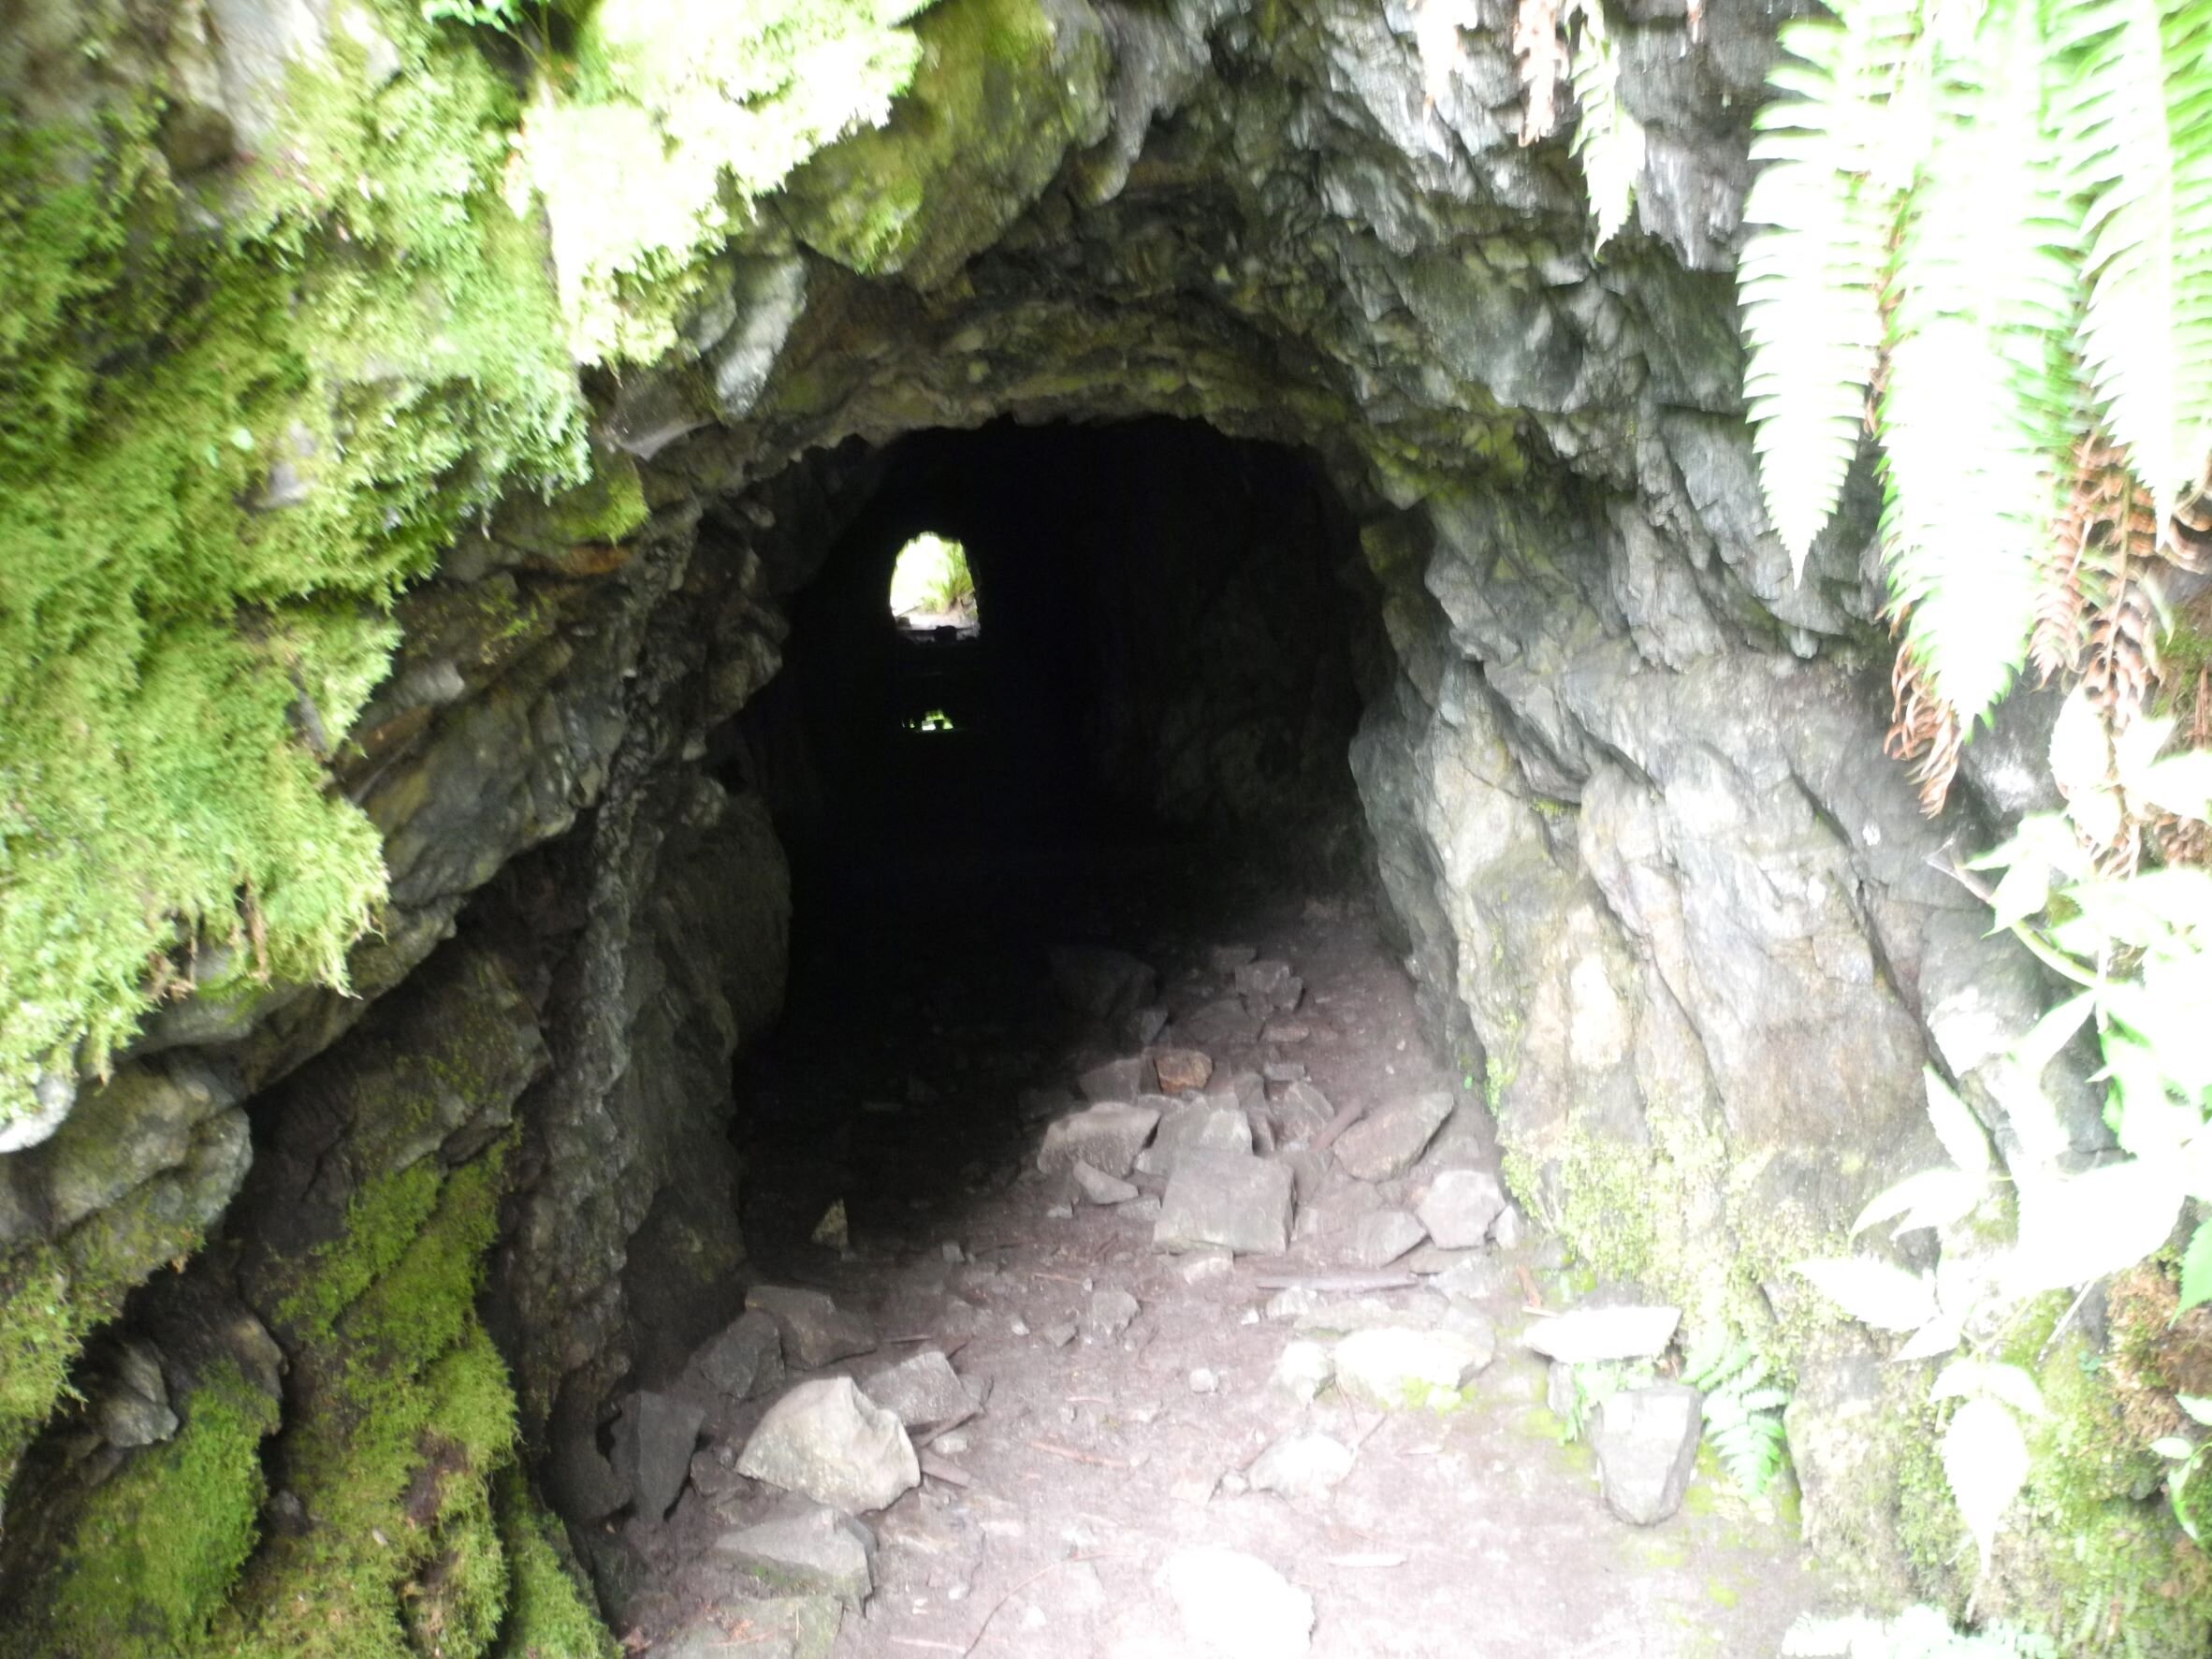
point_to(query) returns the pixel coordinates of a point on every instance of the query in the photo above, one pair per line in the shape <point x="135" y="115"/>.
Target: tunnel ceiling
<point x="1621" y="776"/>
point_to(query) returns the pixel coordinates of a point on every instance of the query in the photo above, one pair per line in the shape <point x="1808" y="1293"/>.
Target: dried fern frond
<point x="1541" y="52"/>
<point x="1923" y="730"/>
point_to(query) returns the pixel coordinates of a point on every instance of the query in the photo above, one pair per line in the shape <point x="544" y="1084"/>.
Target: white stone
<point x="1234" y="1605"/>
<point x="1588" y="1333"/>
<point x="828" y="1440"/>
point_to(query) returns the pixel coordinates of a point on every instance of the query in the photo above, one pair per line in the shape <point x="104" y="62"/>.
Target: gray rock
<point x="1423" y="1310"/>
<point x="829" y="1441"/>
<point x="1308" y="1170"/>
<point x="803" y="1547"/>
<point x="1646" y="1441"/>
<point x="1107" y="1136"/>
<point x="1587" y="1333"/>
<point x="1231" y="1199"/>
<point x="816" y="1332"/>
<point x="1380" y="1238"/>
<point x="1144" y="1210"/>
<point x="1294" y="1300"/>
<point x="1460" y="1206"/>
<point x="1475" y="1279"/>
<point x="1218" y="1024"/>
<point x="1302" y="1111"/>
<point x="1109" y="1313"/>
<point x="1235" y="1606"/>
<point x="1113" y="1080"/>
<point x="1386" y="1142"/>
<point x="1227" y="959"/>
<point x="1270" y="982"/>
<point x="921" y="1391"/>
<point x="1305" y="1467"/>
<point x="1505" y="1231"/>
<point x="654" y="1438"/>
<point x="1097" y="1186"/>
<point x="1301" y="1371"/>
<point x="746" y="1360"/>
<point x="1203" y="1126"/>
<point x="1390" y="1367"/>
<point x="135" y="1410"/>
<point x="1205" y="1266"/>
<point x="1059" y="1334"/>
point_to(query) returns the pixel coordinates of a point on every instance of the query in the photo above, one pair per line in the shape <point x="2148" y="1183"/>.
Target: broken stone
<point x="1302" y="1371"/>
<point x="135" y="1411"/>
<point x="1113" y="1079"/>
<point x="1460" y="1207"/>
<point x="1109" y="1313"/>
<point x="654" y="1439"/>
<point x="1235" y="1606"/>
<point x="1505" y="1231"/>
<point x="1181" y="1069"/>
<point x="1059" y="1212"/>
<point x="714" y="1472"/>
<point x="1587" y="1333"/>
<point x="1204" y="1265"/>
<point x="1097" y="1186"/>
<point x="1144" y="1210"/>
<point x="1380" y="1238"/>
<point x="1231" y="1200"/>
<point x="1204" y="1380"/>
<point x="921" y="1390"/>
<point x="1388" y="1366"/>
<point x="1262" y="978"/>
<point x="1284" y="1071"/>
<point x="1141" y="1027"/>
<point x="1218" y="1024"/>
<point x="1423" y="1310"/>
<point x="1302" y="1111"/>
<point x="1059" y="1334"/>
<point x="1474" y="1279"/>
<point x="1285" y="1032"/>
<point x="802" y="1546"/>
<point x="1227" y="959"/>
<point x="1107" y="1136"/>
<point x="1303" y="1466"/>
<point x="815" y="1330"/>
<point x="1432" y="1260"/>
<point x="746" y="1360"/>
<point x="831" y="1442"/>
<point x="1202" y="1126"/>
<point x="1646" y="1441"/>
<point x="1384" y="1144"/>
<point x="1295" y="1300"/>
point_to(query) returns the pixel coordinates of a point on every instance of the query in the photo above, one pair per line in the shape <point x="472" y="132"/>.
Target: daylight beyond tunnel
<point x="1173" y="638"/>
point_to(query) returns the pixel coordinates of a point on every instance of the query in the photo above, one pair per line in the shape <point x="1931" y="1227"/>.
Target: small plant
<point x="1743" y="1403"/>
<point x="1591" y="1385"/>
<point x="2186" y="1455"/>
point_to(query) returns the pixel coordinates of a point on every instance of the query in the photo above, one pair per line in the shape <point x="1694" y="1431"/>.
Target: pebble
<point x="1204" y="1380"/>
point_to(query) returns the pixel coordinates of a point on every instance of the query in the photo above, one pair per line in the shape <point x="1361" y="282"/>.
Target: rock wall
<point x="1623" y="777"/>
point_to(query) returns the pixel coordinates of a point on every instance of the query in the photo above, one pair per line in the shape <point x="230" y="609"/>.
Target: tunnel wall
<point x="1621" y="774"/>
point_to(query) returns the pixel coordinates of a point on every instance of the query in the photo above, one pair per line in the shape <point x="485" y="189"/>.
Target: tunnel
<point x="545" y="955"/>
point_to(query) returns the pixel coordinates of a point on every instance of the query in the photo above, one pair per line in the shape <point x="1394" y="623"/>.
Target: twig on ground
<point x="1075" y="1456"/>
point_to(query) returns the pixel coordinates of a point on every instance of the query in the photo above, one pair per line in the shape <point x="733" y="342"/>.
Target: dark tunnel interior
<point x="1149" y="728"/>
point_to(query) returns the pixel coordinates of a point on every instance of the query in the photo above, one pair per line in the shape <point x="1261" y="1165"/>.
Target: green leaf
<point x="1985" y="1462"/>
<point x="1873" y="1292"/>
<point x="2197" y="1407"/>
<point x="1822" y="208"/>
<point x="1933" y="1198"/>
<point x="2196" y="1268"/>
<point x="2078" y="1229"/>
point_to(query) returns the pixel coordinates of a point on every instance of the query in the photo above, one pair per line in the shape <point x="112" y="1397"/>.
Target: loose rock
<point x="1181" y="1069"/>
<point x="921" y="1390"/>
<point x="1197" y="1128"/>
<point x="1107" y="1136"/>
<point x="1380" y="1238"/>
<point x="1587" y="1333"/>
<point x="1390" y="1367"/>
<point x="1098" y="1188"/>
<point x="1237" y="1607"/>
<point x="828" y="1440"/>
<point x="1109" y="1313"/>
<point x="1386" y="1143"/>
<point x="744" y="1361"/>
<point x="1460" y="1207"/>
<point x="1302" y="1371"/>
<point x="1646" y="1441"/>
<point x="802" y="1545"/>
<point x="1227" y="1199"/>
<point x="1115" y="1080"/>
<point x="1305" y="1467"/>
<point x="816" y="1332"/>
<point x="654" y="1438"/>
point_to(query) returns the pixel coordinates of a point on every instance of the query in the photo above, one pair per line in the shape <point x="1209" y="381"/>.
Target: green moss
<point x="157" y="1547"/>
<point x="549" y="1615"/>
<point x="39" y="1334"/>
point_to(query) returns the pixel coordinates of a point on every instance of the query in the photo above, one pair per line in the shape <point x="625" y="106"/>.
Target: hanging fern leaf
<point x="2135" y="113"/>
<point x="1609" y="140"/>
<point x="1822" y="203"/>
<point x="1978" y="396"/>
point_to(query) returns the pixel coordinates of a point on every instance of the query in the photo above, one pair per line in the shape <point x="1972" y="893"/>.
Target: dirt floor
<point x="922" y="1012"/>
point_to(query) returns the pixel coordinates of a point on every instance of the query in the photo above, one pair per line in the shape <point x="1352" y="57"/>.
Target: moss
<point x="549" y="1614"/>
<point x="39" y="1334"/>
<point x="157" y="1547"/>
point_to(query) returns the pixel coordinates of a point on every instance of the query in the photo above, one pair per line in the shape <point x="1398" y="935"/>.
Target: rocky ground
<point x="1153" y="1303"/>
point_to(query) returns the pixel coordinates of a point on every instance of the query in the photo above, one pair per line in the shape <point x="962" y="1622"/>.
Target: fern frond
<point x="1609" y="140"/>
<point x="1977" y="400"/>
<point x="2136" y="116"/>
<point x="1823" y="207"/>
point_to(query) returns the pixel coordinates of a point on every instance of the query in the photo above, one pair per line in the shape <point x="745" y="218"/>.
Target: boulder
<point x="1107" y="1136"/>
<point x="1460" y="1206"/>
<point x="829" y="1441"/>
<point x="1229" y="1199"/>
<point x="654" y="1438"/>
<point x="1381" y="1237"/>
<point x="1203" y="1125"/>
<point x="803" y="1547"/>
<point x="1385" y="1143"/>
<point x="1234" y="1605"/>
<point x="1646" y="1441"/>
<point x="744" y="1361"/>
<point x="1113" y="1080"/>
<point x="816" y="1332"/>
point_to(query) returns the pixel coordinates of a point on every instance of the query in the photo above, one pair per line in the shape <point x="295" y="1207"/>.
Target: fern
<point x="1608" y="141"/>
<point x="1978" y="398"/>
<point x="1742" y="1409"/>
<point x="2135" y="114"/>
<point x="1825" y="200"/>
